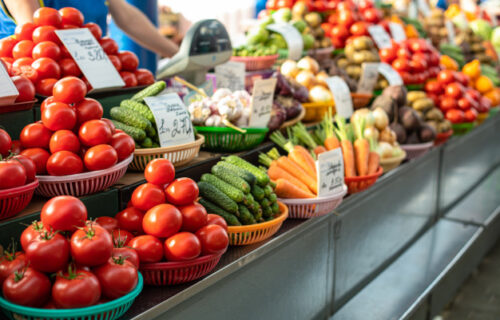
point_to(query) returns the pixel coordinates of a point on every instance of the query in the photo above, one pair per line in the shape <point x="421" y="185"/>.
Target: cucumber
<point x="138" y="107"/>
<point x="229" y="190"/>
<point x="268" y="190"/>
<point x="151" y="131"/>
<point x="267" y="213"/>
<point x="262" y="177"/>
<point x="258" y="193"/>
<point x="137" y="134"/>
<point x="229" y="176"/>
<point x="245" y="216"/>
<point x="212" y="208"/>
<point x="275" y="208"/>
<point x="265" y="203"/>
<point x="155" y="145"/>
<point x="218" y="197"/>
<point x="130" y="117"/>
<point x="272" y="197"/>
<point x="147" y="143"/>
<point x="150" y="91"/>
<point x="256" y="211"/>
<point x="242" y="173"/>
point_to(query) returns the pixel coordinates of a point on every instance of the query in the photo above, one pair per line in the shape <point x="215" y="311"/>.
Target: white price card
<point x="423" y="7"/>
<point x="341" y="96"/>
<point x="292" y="37"/>
<point x="450" y="29"/>
<point x="391" y="75"/>
<point x="330" y="170"/>
<point x="8" y="91"/>
<point x="91" y="58"/>
<point x="412" y="10"/>
<point x="262" y="103"/>
<point x="397" y="31"/>
<point x="230" y="75"/>
<point x="369" y="76"/>
<point x="380" y="36"/>
<point x="172" y="118"/>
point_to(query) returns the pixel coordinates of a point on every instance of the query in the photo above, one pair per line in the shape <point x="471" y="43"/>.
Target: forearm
<point x="22" y="10"/>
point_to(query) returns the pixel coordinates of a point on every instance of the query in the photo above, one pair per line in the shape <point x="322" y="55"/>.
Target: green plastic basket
<point x="106" y="311"/>
<point x="460" y="129"/>
<point x="223" y="139"/>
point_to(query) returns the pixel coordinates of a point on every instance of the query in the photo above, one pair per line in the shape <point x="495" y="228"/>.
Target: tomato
<point x="484" y="105"/>
<point x="25" y="88"/>
<point x="49" y="252"/>
<point x="24" y="31"/>
<point x="455" y="115"/>
<point x="433" y="86"/>
<point x="76" y="289"/>
<point x="46" y="68"/>
<point x="6" y="46"/>
<point x="462" y="78"/>
<point x="108" y="223"/>
<point x="111" y="126"/>
<point x="91" y="245"/>
<point x="65" y="53"/>
<point x="123" y="144"/>
<point x="26" y="71"/>
<point x="213" y="239"/>
<point x="69" y="90"/>
<point x="88" y="109"/>
<point x="117" y="277"/>
<point x="339" y="31"/>
<point x="71" y="16"/>
<point x="473" y="93"/>
<point x="39" y="156"/>
<point x="464" y="103"/>
<point x="45" y="33"/>
<point x="27" y="287"/>
<point x="16" y="146"/>
<point x="359" y="28"/>
<point x="122" y="237"/>
<point x="65" y="213"/>
<point x="46" y="49"/>
<point x="23" y="48"/>
<point x="162" y="221"/>
<point x="44" y="87"/>
<point x="12" y="174"/>
<point x="147" y="195"/>
<point x="400" y="64"/>
<point x="69" y="68"/>
<point x="216" y="219"/>
<point x="447" y="103"/>
<point x="194" y="217"/>
<point x="182" y="246"/>
<point x="28" y="164"/>
<point x="144" y="77"/>
<point x="454" y="90"/>
<point x="115" y="61"/>
<point x="182" y="191"/>
<point x="130" y="219"/>
<point x="127" y="254"/>
<point x="100" y="157"/>
<point x="11" y="262"/>
<point x="35" y="135"/>
<point x="109" y="45"/>
<point x="87" y="83"/>
<point x="372" y="15"/>
<point x="446" y="77"/>
<point x="24" y="61"/>
<point x="129" y="78"/>
<point x="129" y="60"/>
<point x="149" y="248"/>
<point x="94" y="132"/>
<point x="470" y="115"/>
<point x="59" y="116"/>
<point x="159" y="171"/>
<point x="46" y="16"/>
<point x="95" y="29"/>
<point x="403" y="53"/>
<point x="345" y="18"/>
<point x="387" y="55"/>
<point x="31" y="232"/>
<point x="5" y="143"/>
<point x="417" y="65"/>
<point x="64" y="140"/>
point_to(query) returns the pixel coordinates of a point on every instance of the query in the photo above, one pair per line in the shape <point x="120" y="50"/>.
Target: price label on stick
<point x="450" y="29"/>
<point x="330" y="171"/>
<point x="262" y="103"/>
<point x="390" y="74"/>
<point x="369" y="76"/>
<point x="172" y="118"/>
<point x="341" y="96"/>
<point x="91" y="58"/>
<point x="380" y="36"/>
<point x="397" y="31"/>
<point x="230" y="75"/>
<point x="292" y="37"/>
<point x="8" y="91"/>
<point x="423" y="7"/>
<point x="412" y="10"/>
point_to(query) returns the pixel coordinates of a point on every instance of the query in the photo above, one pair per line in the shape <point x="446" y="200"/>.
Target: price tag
<point x="262" y="103"/>
<point x="369" y="76"/>
<point x="172" y="119"/>
<point x="8" y="91"/>
<point x="380" y="36"/>
<point x="292" y="37"/>
<point x="341" y="96"/>
<point x="390" y="74"/>
<point x="450" y="29"/>
<point x="412" y="10"/>
<point x="91" y="59"/>
<point x="423" y="7"/>
<point x="330" y="168"/>
<point x="397" y="31"/>
<point x="230" y="75"/>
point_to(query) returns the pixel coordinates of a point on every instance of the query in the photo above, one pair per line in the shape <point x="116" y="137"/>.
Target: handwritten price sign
<point x="390" y="74"/>
<point x="341" y="96"/>
<point x="230" y="75"/>
<point x="380" y="36"/>
<point x="262" y="102"/>
<point x="8" y="91"/>
<point x="330" y="168"/>
<point x="369" y="76"/>
<point x="292" y="37"/>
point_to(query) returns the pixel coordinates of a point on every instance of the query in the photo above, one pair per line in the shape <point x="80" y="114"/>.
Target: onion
<point x="320" y="94"/>
<point x="305" y="78"/>
<point x="385" y="150"/>
<point x="371" y="132"/>
<point x="363" y="113"/>
<point x="289" y="68"/>
<point x="308" y="63"/>
<point x="381" y="118"/>
<point x="321" y="78"/>
<point x="387" y="135"/>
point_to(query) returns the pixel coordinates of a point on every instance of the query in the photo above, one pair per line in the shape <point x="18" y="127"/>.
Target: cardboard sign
<point x="369" y="76"/>
<point x="172" y="119"/>
<point x="380" y="36"/>
<point x="424" y="8"/>
<point x="8" y="91"/>
<point x="341" y="96"/>
<point x="450" y="29"/>
<point x="292" y="37"/>
<point x="262" y="103"/>
<point x="330" y="171"/>
<point x="397" y="32"/>
<point x="391" y="75"/>
<point x="230" y="75"/>
<point x="91" y="58"/>
<point x="412" y="10"/>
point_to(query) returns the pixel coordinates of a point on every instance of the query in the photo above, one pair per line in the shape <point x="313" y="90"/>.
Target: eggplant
<point x="299" y="91"/>
<point x="278" y="116"/>
<point x="291" y="106"/>
<point x="427" y="133"/>
<point x="283" y="86"/>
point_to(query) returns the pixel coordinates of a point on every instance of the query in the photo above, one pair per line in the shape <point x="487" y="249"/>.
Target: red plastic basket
<point x="18" y="106"/>
<point x="416" y="150"/>
<point x="16" y="199"/>
<point x="175" y="272"/>
<point x="257" y="63"/>
<point x="443" y="137"/>
<point x="357" y="184"/>
<point x="82" y="183"/>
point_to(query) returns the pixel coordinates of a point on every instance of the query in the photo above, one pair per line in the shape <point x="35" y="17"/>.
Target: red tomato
<point x="46" y="16"/>
<point x="65" y="53"/>
<point x="213" y="239"/>
<point x="49" y="252"/>
<point x="473" y="93"/>
<point x="462" y="78"/>
<point x="111" y="126"/>
<point x="470" y="115"/>
<point x="11" y="262"/>
<point x="46" y="102"/>
<point x="95" y="29"/>
<point x="25" y="88"/>
<point x="69" y="68"/>
<point x="117" y="277"/>
<point x="92" y="245"/>
<point x="46" y="49"/>
<point x="71" y="16"/>
<point x="484" y="105"/>
<point x="76" y="289"/>
<point x="159" y="171"/>
<point x="144" y="77"/>
<point x="162" y="221"/>
<point x="127" y="254"/>
<point x="31" y="232"/>
<point x="129" y="60"/>
<point x="149" y="248"/>
<point x="109" y="45"/>
<point x="433" y="86"/>
<point x="39" y="156"/>
<point x="94" y="132"/>
<point x="129" y="78"/>
<point x="26" y="70"/>
<point x="372" y="15"/>
<point x="194" y="217"/>
<point x="5" y="143"/>
<point x="44" y="87"/>
<point x="455" y="115"/>
<point x="27" y="288"/>
<point x="100" y="157"/>
<point x="446" y="77"/>
<point x="115" y="61"/>
<point x="45" y="33"/>
<point x="108" y="223"/>
<point x="6" y="46"/>
<point x="59" y="116"/>
<point x="216" y="219"/>
<point x="87" y="83"/>
<point x="28" y="164"/>
<point x="123" y="144"/>
<point x="454" y="90"/>
<point x="64" y="140"/>
<point x="464" y="103"/>
<point x="182" y="246"/>
<point x="23" y="48"/>
<point x="182" y="191"/>
<point x="24" y="31"/>
<point x="359" y="28"/>
<point x="387" y="55"/>
<point x="345" y="18"/>
<point x="401" y="64"/>
<point x="447" y="103"/>
<point x="69" y="90"/>
<point x="64" y="213"/>
<point x="122" y="237"/>
<point x="24" y="61"/>
<point x="16" y="147"/>
<point x="13" y="175"/>
<point x="418" y="65"/>
<point x="88" y="109"/>
<point x="130" y="219"/>
<point x="46" y="68"/>
<point x="403" y="53"/>
<point x="147" y="195"/>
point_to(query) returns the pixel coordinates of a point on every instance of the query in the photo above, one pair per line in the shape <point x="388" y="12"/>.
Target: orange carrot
<point x="295" y="170"/>
<point x="302" y="157"/>
<point x="332" y="143"/>
<point x="275" y="173"/>
<point x="287" y="190"/>
<point x="319" y="149"/>
<point x="348" y="155"/>
<point x="361" y="152"/>
<point x="373" y="162"/>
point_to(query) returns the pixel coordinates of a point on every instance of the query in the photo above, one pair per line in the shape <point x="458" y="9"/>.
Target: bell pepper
<point x="448" y="63"/>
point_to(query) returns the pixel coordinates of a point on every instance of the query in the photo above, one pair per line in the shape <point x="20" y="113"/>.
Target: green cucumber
<point x="229" y="190"/>
<point x="149" y="91"/>
<point x="147" y="143"/>
<point x="245" y="216"/>
<point x="229" y="176"/>
<point x="268" y="190"/>
<point x="242" y="173"/>
<point x="275" y="208"/>
<point x="267" y="213"/>
<point x="272" y="197"/>
<point x="258" y="193"/>
<point x="137" y="134"/>
<point x="231" y="219"/>
<point x="130" y="117"/>
<point x="262" y="177"/>
<point x="218" y="197"/>
<point x="265" y="203"/>
<point x="138" y="107"/>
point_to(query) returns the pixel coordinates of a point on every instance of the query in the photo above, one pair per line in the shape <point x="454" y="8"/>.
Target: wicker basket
<point x="389" y="164"/>
<point x="16" y="199"/>
<point x="416" y="150"/>
<point x="223" y="139"/>
<point x="257" y="63"/>
<point x="18" y="106"/>
<point x="316" y="110"/>
<point x="357" y="184"/>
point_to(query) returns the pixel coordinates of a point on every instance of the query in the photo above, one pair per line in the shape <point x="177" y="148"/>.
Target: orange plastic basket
<point x="357" y="184"/>
<point x="360" y="100"/>
<point x="316" y="110"/>
<point x="249" y="234"/>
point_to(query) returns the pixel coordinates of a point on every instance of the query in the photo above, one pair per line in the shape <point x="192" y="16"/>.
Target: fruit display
<point x="257" y="50"/>
<point x="473" y="47"/>
<point x="428" y="111"/>
<point x="23" y="85"/>
<point x="435" y="27"/>
<point x="484" y="79"/>
<point x="15" y="170"/>
<point x="455" y="55"/>
<point x="288" y="96"/>
<point x="310" y="23"/>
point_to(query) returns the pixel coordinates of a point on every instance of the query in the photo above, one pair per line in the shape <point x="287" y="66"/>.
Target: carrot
<point x="275" y="173"/>
<point x="319" y="149"/>
<point x="302" y="157"/>
<point x="287" y="190"/>
<point x="332" y="143"/>
<point x="361" y="147"/>
<point x="373" y="162"/>
<point x="347" y="148"/>
<point x="295" y="170"/>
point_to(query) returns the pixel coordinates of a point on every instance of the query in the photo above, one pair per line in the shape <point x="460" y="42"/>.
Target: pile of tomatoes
<point x="456" y="99"/>
<point x="36" y="52"/>
<point x="71" y="137"/>
<point x="15" y="170"/>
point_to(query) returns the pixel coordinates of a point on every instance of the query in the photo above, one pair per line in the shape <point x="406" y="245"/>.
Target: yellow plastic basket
<point x="316" y="110"/>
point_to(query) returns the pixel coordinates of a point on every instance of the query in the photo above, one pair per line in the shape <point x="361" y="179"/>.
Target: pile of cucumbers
<point x="239" y="192"/>
<point x="135" y="118"/>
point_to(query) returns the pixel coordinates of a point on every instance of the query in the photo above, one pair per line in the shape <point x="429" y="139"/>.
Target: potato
<point x="422" y="104"/>
<point x="353" y="71"/>
<point x="434" y="125"/>
<point x="342" y="63"/>
<point x="349" y="51"/>
<point x="326" y="43"/>
<point x="362" y="43"/>
<point x="444" y="126"/>
<point x="318" y="32"/>
<point x="382" y="83"/>
<point x="412" y="96"/>
<point x="434" y="114"/>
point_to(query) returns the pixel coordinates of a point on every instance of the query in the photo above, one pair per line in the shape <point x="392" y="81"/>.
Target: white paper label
<point x="341" y="96"/>
<point x="172" y="118"/>
<point x="369" y="76"/>
<point x="391" y="75"/>
<point x="230" y="75"/>
<point x="450" y="29"/>
<point x="397" y="31"/>
<point x="423" y="6"/>
<point x="292" y="37"/>
<point x="91" y="58"/>
<point x="8" y="91"/>
<point x="380" y="36"/>
<point x="412" y="10"/>
<point x="330" y="168"/>
<point x="262" y="103"/>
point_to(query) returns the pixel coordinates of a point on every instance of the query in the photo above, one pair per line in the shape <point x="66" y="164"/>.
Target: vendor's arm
<point x="22" y="10"/>
<point x="133" y="22"/>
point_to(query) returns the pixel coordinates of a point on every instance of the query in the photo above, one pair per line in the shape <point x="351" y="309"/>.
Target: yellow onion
<point x="308" y="63"/>
<point x="371" y="132"/>
<point x="306" y="78"/>
<point x="381" y="118"/>
<point x="319" y="93"/>
<point x="289" y="68"/>
<point x="321" y="78"/>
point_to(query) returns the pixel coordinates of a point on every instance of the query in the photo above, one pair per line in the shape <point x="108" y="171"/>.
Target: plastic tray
<point x="357" y="184"/>
<point x="82" y="183"/>
<point x="175" y="272"/>
<point x="442" y="137"/>
<point x="223" y="139"/>
<point x="416" y="150"/>
<point x="315" y="207"/>
<point x="257" y="63"/>
<point x="178" y="155"/>
<point x="16" y="199"/>
<point x="105" y="311"/>
<point x="316" y="110"/>
<point x="249" y="234"/>
<point x="361" y="100"/>
<point x="18" y="106"/>
<point x="462" y="128"/>
<point x="389" y="164"/>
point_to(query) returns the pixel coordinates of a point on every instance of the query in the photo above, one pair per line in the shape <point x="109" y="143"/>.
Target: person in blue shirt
<point x="127" y="17"/>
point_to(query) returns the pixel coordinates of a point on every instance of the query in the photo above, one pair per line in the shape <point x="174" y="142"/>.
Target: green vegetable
<point x="150" y="91"/>
<point x="265" y="203"/>
<point x="229" y="176"/>
<point x="272" y="197"/>
<point x="268" y="190"/>
<point x="275" y="208"/>
<point x="262" y="177"/>
<point x="245" y="216"/>
<point x="130" y="117"/>
<point x="151" y="131"/>
<point x="218" y="197"/>
<point x="155" y="145"/>
<point x="258" y="193"/>
<point x="231" y="219"/>
<point x="137" y="134"/>
<point x="267" y="213"/>
<point x="242" y="173"/>
<point x="229" y="190"/>
<point x="256" y="211"/>
<point x="147" y="143"/>
<point x="138" y="107"/>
